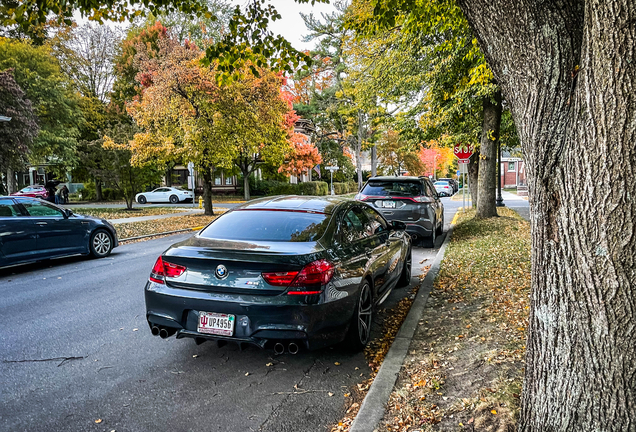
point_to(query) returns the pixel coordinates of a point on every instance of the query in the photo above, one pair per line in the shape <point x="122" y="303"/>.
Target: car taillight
<point x="423" y="199"/>
<point x="360" y="197"/>
<point x="280" y="278"/>
<point x="163" y="269"/>
<point x="306" y="282"/>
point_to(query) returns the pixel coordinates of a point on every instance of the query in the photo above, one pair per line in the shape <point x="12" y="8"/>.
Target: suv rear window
<point x="393" y="188"/>
<point x="267" y="225"/>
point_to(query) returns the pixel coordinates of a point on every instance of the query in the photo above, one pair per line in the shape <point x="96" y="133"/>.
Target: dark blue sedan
<point x="32" y="230"/>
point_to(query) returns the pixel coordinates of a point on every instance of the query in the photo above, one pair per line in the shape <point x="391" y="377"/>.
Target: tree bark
<point x="567" y="69"/>
<point x="11" y="184"/>
<point x="473" y="177"/>
<point x="374" y="161"/>
<point x="486" y="198"/>
<point x="168" y="176"/>
<point x="208" y="209"/>
<point x="359" y="151"/>
<point x="246" y="184"/>
<point x="98" y="190"/>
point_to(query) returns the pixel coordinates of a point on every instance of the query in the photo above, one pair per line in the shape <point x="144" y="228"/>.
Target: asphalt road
<point x="76" y="348"/>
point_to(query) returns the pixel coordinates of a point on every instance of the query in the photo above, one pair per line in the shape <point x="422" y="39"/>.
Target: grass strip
<point x="118" y="213"/>
<point x="135" y="229"/>
<point x="464" y="369"/>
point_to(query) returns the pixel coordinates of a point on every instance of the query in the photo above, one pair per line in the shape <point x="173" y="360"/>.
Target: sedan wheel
<point x="141" y="199"/>
<point x="174" y="199"/>
<point x="360" y="328"/>
<point x="101" y="244"/>
<point x="405" y="277"/>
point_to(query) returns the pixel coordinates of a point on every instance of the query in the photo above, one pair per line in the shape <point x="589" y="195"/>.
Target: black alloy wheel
<point x="174" y="199"/>
<point x="359" y="331"/>
<point x="101" y="243"/>
<point x="405" y="277"/>
<point x="429" y="241"/>
<point x="440" y="228"/>
<point x="141" y="199"/>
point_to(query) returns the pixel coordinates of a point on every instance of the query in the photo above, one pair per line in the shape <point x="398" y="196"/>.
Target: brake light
<point x="360" y="197"/>
<point x="163" y="269"/>
<point x="310" y="279"/>
<point x="423" y="199"/>
<point x="280" y="278"/>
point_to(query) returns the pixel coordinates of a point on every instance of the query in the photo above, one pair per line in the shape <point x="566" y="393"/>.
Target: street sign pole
<point x="331" y="170"/>
<point x="191" y="173"/>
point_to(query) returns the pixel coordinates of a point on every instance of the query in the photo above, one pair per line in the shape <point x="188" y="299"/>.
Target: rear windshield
<point x="393" y="188"/>
<point x="268" y="225"/>
<point x="441" y="183"/>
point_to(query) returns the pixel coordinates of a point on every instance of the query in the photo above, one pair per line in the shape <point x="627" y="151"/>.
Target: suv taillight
<point x="423" y="199"/>
<point x="307" y="281"/>
<point x="163" y="269"/>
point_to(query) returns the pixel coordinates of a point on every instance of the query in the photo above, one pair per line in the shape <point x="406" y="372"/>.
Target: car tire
<point x="405" y="276"/>
<point x="174" y="199"/>
<point x="101" y="243"/>
<point x="429" y="241"/>
<point x="440" y="228"/>
<point x="359" y="332"/>
<point x="142" y="199"/>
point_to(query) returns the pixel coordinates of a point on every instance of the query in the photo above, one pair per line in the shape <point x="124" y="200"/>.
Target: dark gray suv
<point x="412" y="200"/>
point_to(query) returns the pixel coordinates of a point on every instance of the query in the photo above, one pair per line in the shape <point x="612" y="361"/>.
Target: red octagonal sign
<point x="464" y="151"/>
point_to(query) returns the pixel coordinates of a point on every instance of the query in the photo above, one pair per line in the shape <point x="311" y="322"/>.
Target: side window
<point x="430" y="189"/>
<point x="40" y="208"/>
<point x="352" y="226"/>
<point x="9" y="209"/>
<point x="376" y="223"/>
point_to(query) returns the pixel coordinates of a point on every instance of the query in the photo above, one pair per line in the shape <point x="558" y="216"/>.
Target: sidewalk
<point x="457" y="361"/>
<point x="153" y="217"/>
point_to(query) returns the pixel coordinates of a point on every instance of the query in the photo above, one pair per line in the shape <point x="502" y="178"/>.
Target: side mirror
<point x="398" y="226"/>
<point x="68" y="213"/>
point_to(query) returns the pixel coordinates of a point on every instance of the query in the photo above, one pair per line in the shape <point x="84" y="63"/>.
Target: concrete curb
<point x="374" y="404"/>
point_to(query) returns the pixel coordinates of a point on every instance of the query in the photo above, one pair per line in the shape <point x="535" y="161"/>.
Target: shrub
<point x="312" y="188"/>
<point x="352" y="187"/>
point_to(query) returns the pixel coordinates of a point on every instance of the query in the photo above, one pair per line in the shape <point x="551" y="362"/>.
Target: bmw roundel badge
<point x="221" y="271"/>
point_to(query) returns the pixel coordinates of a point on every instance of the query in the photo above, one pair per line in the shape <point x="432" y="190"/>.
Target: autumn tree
<point x="16" y="135"/>
<point x="55" y="104"/>
<point x="397" y="155"/>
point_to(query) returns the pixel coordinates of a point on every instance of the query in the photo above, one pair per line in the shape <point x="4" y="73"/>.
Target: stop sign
<point x="464" y="151"/>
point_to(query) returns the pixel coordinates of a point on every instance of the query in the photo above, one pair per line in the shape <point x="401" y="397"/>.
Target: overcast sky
<point x="292" y="26"/>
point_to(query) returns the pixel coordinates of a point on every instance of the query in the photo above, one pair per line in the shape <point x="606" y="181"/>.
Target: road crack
<point x="63" y="360"/>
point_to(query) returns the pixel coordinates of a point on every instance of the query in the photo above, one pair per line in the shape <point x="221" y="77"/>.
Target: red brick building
<point x="513" y="171"/>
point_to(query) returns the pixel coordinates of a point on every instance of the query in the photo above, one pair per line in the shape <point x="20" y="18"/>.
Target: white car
<point x="443" y="188"/>
<point x="164" y="194"/>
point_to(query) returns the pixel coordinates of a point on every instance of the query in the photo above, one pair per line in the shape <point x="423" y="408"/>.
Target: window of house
<point x="511" y="166"/>
<point x="229" y="181"/>
<point x="217" y="179"/>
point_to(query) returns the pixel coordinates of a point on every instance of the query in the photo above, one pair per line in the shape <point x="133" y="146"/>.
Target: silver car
<point x="412" y="200"/>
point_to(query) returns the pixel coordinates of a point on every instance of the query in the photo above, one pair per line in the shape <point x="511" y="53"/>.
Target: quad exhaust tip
<point x="293" y="348"/>
<point x="163" y="333"/>
<point x="279" y="348"/>
<point x="155" y="331"/>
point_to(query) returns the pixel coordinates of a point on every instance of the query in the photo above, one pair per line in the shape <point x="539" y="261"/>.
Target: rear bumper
<point x="259" y="320"/>
<point x="423" y="228"/>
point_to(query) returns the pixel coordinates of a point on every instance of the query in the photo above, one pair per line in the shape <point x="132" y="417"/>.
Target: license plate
<point x="216" y="323"/>
<point x="388" y="204"/>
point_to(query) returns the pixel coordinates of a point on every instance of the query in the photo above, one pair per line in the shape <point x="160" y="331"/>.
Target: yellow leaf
<point x="337" y="363"/>
<point x="494" y="411"/>
<point x="98" y="421"/>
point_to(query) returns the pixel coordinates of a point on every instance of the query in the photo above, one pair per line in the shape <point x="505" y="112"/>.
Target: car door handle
<point x="41" y="223"/>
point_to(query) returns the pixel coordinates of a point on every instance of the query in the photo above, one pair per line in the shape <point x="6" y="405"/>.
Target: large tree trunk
<point x="486" y="205"/>
<point x="568" y="70"/>
<point x="98" y="190"/>
<point x="207" y="192"/>
<point x="246" y="184"/>
<point x="11" y="184"/>
<point x="359" y="151"/>
<point x="473" y="177"/>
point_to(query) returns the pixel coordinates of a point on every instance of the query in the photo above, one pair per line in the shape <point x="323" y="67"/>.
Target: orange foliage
<point x="434" y="157"/>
